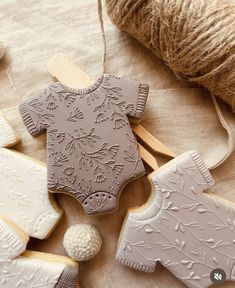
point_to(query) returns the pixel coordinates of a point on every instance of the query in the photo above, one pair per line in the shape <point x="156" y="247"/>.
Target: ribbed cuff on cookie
<point x="8" y="134"/>
<point x="11" y="240"/>
<point x="27" y="119"/>
<point x="142" y="99"/>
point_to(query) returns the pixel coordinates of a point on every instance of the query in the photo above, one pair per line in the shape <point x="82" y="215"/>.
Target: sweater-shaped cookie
<point x="13" y="242"/>
<point x="91" y="150"/>
<point x="35" y="269"/>
<point x="190" y="232"/>
<point x="25" y="200"/>
<point x="32" y="269"/>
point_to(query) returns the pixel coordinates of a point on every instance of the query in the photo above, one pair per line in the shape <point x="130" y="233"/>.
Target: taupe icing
<point x="190" y="232"/>
<point x="92" y="152"/>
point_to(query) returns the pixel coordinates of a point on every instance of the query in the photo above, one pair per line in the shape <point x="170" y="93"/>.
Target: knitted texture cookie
<point x="12" y="243"/>
<point x="92" y="153"/>
<point x="190" y="232"/>
<point x="82" y="242"/>
<point x="35" y="269"/>
<point x="25" y="200"/>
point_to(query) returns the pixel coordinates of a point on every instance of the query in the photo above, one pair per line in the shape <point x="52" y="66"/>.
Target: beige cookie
<point x="35" y="269"/>
<point x="190" y="232"/>
<point x="25" y="200"/>
<point x="13" y="242"/>
<point x="8" y="136"/>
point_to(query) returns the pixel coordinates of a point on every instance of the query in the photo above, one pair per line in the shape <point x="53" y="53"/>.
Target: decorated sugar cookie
<point x="25" y="200"/>
<point x="92" y="153"/>
<point x="27" y="211"/>
<point x="190" y="232"/>
<point x="35" y="269"/>
<point x="12" y="241"/>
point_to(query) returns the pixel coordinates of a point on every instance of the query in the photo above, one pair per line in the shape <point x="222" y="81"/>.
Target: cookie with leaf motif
<point x="91" y="150"/>
<point x="36" y="269"/>
<point x="25" y="200"/>
<point x="27" y="209"/>
<point x="190" y="232"/>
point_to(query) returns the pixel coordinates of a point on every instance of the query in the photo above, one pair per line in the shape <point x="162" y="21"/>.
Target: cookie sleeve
<point x="134" y="94"/>
<point x="34" y="113"/>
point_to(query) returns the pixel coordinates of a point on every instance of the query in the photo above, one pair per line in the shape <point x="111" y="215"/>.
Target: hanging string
<point x="100" y="14"/>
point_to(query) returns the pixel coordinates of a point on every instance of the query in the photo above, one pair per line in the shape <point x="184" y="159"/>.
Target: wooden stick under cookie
<point x="60" y="67"/>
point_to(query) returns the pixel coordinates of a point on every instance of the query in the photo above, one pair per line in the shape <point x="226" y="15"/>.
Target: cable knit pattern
<point x="11" y="243"/>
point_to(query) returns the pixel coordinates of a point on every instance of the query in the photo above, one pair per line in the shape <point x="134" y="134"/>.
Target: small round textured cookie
<point x="2" y="50"/>
<point x="82" y="242"/>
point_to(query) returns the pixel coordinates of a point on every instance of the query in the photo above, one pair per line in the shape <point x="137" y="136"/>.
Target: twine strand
<point x="100" y="14"/>
<point x="195" y="38"/>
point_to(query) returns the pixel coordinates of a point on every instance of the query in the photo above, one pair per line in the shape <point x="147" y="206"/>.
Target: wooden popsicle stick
<point x="148" y="157"/>
<point x="152" y="142"/>
<point x="60" y="67"/>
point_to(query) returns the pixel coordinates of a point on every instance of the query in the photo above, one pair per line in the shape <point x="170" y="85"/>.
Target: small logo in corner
<point x="218" y="276"/>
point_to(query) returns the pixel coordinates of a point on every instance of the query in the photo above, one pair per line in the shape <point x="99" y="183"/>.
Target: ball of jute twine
<point x="195" y="38"/>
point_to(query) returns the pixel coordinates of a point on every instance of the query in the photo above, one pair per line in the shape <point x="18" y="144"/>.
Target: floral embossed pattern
<point x="92" y="152"/>
<point x="24" y="194"/>
<point x="190" y="232"/>
<point x="28" y="272"/>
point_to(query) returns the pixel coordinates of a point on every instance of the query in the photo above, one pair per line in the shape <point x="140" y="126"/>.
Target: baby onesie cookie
<point x="190" y="232"/>
<point x="25" y="200"/>
<point x="35" y="269"/>
<point x="12" y="241"/>
<point x="92" y="152"/>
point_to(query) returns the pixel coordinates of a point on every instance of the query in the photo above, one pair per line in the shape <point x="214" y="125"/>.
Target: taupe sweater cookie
<point x="92" y="152"/>
<point x="190" y="232"/>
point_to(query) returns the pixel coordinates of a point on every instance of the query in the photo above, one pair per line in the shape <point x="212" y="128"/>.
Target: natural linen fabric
<point x="180" y="116"/>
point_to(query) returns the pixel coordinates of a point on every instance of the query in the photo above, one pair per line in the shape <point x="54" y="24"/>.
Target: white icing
<point x="7" y="134"/>
<point x="30" y="272"/>
<point x="11" y="244"/>
<point x="82" y="242"/>
<point x="24" y="195"/>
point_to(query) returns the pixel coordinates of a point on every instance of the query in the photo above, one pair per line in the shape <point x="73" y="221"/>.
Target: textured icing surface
<point x="24" y="195"/>
<point x="188" y="231"/>
<point x="7" y="134"/>
<point x="11" y="244"/>
<point x="29" y="272"/>
<point x="92" y="152"/>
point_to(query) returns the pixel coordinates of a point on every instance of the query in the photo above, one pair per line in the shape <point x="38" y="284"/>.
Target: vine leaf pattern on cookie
<point x="132" y="155"/>
<point x="36" y="111"/>
<point x="24" y="194"/>
<point x="194" y="242"/>
<point x="29" y="272"/>
<point x="86" y="137"/>
<point x="113" y="106"/>
<point x="75" y="115"/>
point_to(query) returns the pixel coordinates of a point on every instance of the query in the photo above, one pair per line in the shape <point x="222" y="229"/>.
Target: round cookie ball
<point x="2" y="50"/>
<point x="82" y="242"/>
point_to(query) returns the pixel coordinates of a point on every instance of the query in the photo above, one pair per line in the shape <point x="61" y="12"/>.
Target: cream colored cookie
<point x="12" y="241"/>
<point x="25" y="200"/>
<point x="8" y="136"/>
<point x="35" y="269"/>
<point x="24" y="197"/>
